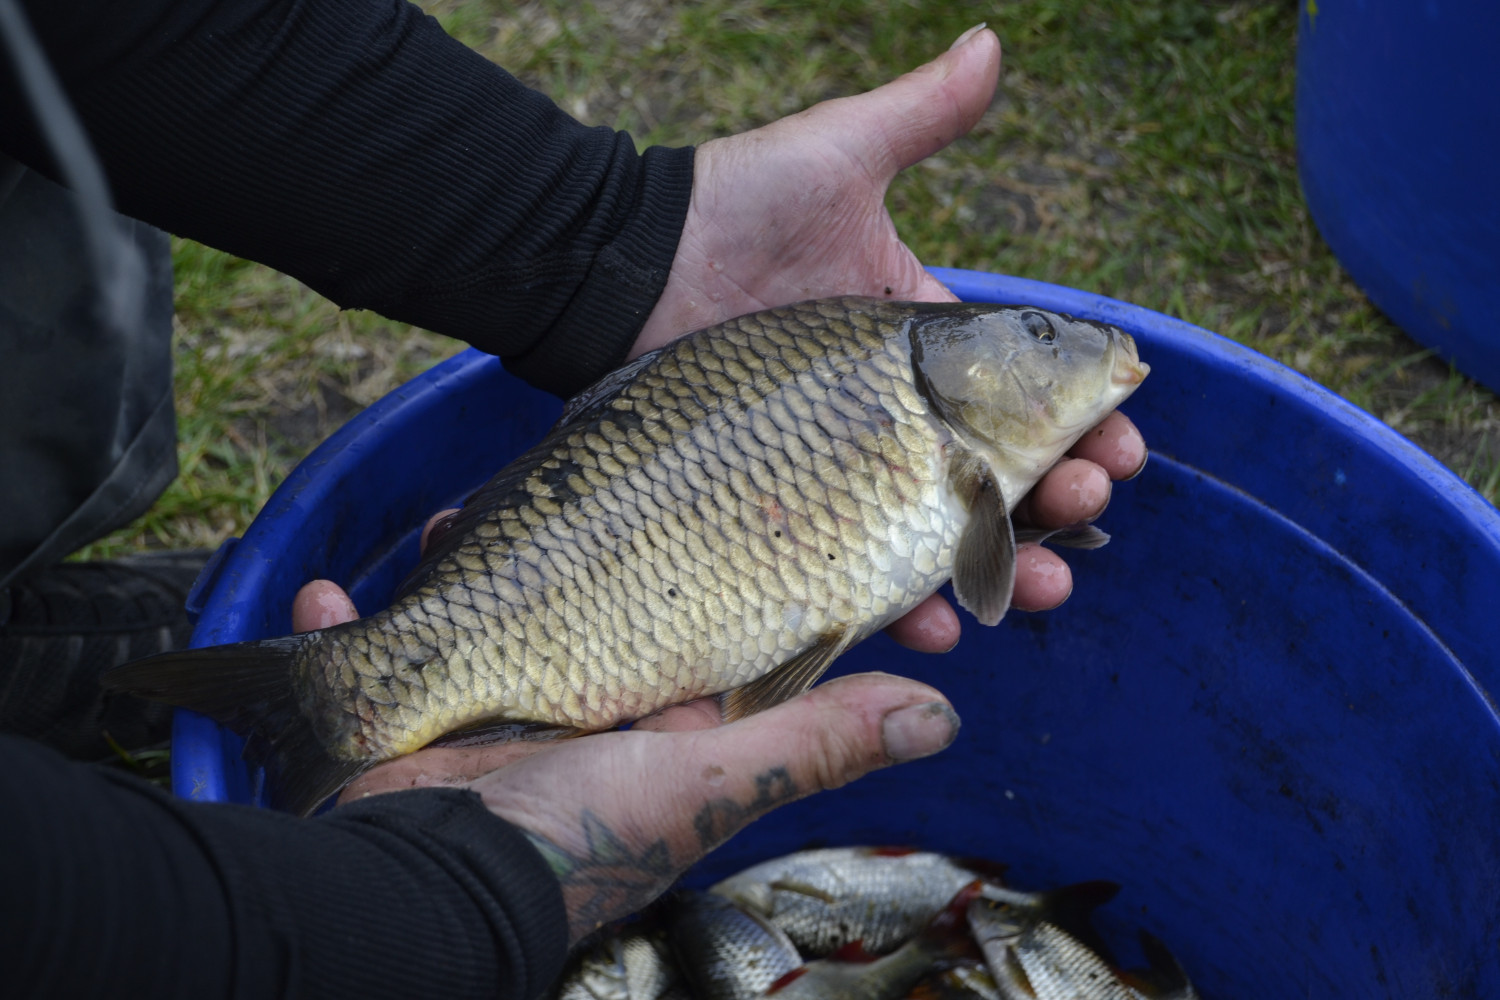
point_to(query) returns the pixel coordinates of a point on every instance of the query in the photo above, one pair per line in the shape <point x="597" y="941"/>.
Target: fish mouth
<point x="1129" y="369"/>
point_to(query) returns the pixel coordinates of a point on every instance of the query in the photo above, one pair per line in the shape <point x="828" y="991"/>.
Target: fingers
<point x="617" y="840"/>
<point x="437" y="526"/>
<point x="1077" y="489"/>
<point x="1043" y="580"/>
<point x="1115" y="445"/>
<point x="701" y="714"/>
<point x="1074" y="491"/>
<point x="321" y="604"/>
<point x="930" y="627"/>
<point x="822" y="739"/>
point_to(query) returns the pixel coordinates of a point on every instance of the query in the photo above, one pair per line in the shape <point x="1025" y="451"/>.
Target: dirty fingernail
<point x="967" y="35"/>
<point x="918" y="730"/>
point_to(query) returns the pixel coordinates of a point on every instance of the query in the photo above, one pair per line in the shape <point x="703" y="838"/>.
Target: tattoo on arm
<point x="608" y="878"/>
<point x="720" y="819"/>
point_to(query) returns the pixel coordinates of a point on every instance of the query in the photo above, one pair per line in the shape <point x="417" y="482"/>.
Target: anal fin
<point x="789" y="679"/>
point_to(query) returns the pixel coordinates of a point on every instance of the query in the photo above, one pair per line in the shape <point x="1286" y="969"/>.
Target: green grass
<point x="1140" y="150"/>
<point x="264" y="370"/>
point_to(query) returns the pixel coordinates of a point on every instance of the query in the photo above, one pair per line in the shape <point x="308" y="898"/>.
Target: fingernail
<point x="967" y="35"/>
<point x="918" y="730"/>
<point x="1146" y="457"/>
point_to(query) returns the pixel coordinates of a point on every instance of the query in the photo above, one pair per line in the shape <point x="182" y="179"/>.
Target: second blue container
<point x="1398" y="146"/>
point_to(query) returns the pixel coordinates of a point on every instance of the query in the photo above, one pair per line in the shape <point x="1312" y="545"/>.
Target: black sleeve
<point x="356" y="146"/>
<point x="114" y="888"/>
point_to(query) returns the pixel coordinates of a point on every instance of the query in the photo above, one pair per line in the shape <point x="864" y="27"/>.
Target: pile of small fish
<point x="864" y="923"/>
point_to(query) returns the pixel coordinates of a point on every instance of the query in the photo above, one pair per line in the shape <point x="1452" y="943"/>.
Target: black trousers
<point x="87" y="426"/>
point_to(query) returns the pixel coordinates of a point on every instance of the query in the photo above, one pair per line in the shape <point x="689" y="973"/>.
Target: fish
<point x="852" y="974"/>
<point x="723" y="516"/>
<point x="631" y="963"/>
<point x="1031" y="956"/>
<point x="827" y="898"/>
<point x="964" y="979"/>
<point x="725" y="952"/>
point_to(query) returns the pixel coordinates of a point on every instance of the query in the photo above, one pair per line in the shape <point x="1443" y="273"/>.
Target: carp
<point x="725" y="515"/>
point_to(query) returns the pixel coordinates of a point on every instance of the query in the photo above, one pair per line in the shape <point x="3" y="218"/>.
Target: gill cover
<point x="1016" y="385"/>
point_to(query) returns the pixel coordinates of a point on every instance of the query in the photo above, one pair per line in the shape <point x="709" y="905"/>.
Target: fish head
<point x="1002" y="915"/>
<point x="1018" y="378"/>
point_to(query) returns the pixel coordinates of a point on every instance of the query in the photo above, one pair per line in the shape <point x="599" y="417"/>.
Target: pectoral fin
<point x="788" y="680"/>
<point x="984" y="567"/>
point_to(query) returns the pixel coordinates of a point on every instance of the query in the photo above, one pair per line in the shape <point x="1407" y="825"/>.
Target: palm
<point x="796" y="210"/>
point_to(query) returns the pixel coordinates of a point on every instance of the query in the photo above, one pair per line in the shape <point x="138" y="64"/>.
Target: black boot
<point x="61" y="628"/>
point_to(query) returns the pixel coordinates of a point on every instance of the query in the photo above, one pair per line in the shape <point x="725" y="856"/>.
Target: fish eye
<point x="1038" y="326"/>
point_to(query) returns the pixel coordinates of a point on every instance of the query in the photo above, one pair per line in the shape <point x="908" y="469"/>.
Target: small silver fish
<point x="825" y="899"/>
<point x="725" y="952"/>
<point x="965" y="979"/>
<point x="633" y="964"/>
<point x="889" y="977"/>
<point x="1032" y="957"/>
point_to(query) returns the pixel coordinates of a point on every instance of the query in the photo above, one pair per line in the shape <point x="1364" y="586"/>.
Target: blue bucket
<point x="1398" y="146"/>
<point x="1265" y="711"/>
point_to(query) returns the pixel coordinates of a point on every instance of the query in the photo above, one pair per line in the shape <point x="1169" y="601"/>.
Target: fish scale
<point x="845" y="403"/>
<point x="734" y="509"/>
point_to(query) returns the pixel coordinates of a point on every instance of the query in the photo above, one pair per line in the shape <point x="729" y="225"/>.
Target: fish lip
<point x="1128" y="369"/>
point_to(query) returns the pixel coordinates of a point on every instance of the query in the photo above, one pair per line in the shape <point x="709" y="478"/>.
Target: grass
<point x="1140" y="150"/>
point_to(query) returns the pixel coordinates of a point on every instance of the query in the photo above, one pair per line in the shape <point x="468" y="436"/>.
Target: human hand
<point x="620" y="815"/>
<point x="796" y="210"/>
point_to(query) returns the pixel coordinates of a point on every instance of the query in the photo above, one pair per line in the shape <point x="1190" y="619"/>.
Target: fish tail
<point x="247" y="686"/>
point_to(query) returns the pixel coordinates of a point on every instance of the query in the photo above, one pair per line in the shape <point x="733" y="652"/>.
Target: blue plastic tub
<point x="1265" y="711"/>
<point x="1398" y="146"/>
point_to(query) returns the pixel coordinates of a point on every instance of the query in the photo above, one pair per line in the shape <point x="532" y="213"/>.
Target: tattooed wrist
<point x="605" y="878"/>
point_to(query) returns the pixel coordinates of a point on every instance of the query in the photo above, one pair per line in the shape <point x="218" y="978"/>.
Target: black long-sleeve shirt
<point x="114" y="888"/>
<point x="352" y="144"/>
<point x="356" y="146"/>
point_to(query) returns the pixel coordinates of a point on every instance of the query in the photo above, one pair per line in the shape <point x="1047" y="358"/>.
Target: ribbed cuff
<point x="495" y="865"/>
<point x="413" y="893"/>
<point x="603" y="318"/>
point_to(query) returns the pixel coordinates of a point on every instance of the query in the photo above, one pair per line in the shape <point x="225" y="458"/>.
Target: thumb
<point x="620" y="815"/>
<point x="821" y="740"/>
<point x="898" y="124"/>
